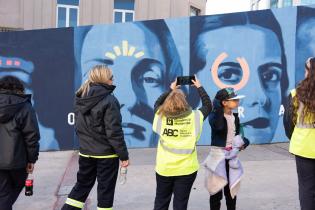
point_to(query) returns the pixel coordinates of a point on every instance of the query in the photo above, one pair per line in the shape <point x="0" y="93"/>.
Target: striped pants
<point x="105" y="170"/>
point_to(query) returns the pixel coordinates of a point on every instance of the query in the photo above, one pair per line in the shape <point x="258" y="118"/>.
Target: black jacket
<point x="205" y="100"/>
<point x="19" y="133"/>
<point x="98" y="123"/>
<point x="219" y="126"/>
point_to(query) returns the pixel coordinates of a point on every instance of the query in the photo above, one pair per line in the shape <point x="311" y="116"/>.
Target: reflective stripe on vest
<point x="159" y="124"/>
<point x="74" y="203"/>
<point x="197" y="120"/>
<point x="98" y="208"/>
<point x="176" y="151"/>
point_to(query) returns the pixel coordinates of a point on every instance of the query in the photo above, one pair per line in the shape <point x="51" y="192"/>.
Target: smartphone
<point x="185" y="80"/>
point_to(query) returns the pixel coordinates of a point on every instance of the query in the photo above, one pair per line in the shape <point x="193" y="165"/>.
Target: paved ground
<point x="269" y="183"/>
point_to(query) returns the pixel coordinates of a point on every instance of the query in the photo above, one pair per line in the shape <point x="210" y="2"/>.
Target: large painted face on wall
<point x="139" y="65"/>
<point x="305" y="40"/>
<point x="247" y="58"/>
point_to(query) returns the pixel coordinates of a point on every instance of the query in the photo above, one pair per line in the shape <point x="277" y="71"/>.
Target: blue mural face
<point x="305" y="40"/>
<point x="260" y="64"/>
<point x="140" y="66"/>
<point x="248" y="57"/>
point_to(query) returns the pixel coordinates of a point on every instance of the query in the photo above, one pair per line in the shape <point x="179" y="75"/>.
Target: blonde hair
<point x="174" y="104"/>
<point x="98" y="74"/>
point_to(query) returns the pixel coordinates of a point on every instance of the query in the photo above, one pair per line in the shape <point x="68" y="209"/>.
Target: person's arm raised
<point x="205" y="99"/>
<point x="162" y="97"/>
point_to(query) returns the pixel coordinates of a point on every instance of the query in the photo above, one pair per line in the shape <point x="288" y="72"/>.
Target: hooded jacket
<point x="19" y="133"/>
<point x="98" y="123"/>
<point x="219" y="126"/>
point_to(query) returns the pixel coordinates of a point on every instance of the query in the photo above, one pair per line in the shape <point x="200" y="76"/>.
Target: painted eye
<point x="230" y="75"/>
<point x="152" y="77"/>
<point x="150" y="80"/>
<point x="148" y="73"/>
<point x="270" y="77"/>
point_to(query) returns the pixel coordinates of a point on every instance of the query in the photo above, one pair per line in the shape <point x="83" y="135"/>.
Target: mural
<point x="244" y="51"/>
<point x="43" y="60"/>
<point x="305" y="39"/>
<point x="144" y="61"/>
<point x="261" y="54"/>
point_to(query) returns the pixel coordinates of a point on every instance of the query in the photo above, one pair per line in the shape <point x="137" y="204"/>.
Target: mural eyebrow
<point x="144" y="63"/>
<point x="271" y="64"/>
<point x="233" y="64"/>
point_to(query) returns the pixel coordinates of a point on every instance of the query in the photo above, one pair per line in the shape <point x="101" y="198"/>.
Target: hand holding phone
<point x="196" y="82"/>
<point x="174" y="85"/>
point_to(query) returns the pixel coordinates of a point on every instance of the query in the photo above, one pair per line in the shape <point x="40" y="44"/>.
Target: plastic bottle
<point x="29" y="185"/>
<point x="123" y="175"/>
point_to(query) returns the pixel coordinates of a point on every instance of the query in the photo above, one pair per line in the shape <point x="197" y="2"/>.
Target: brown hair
<point x="174" y="104"/>
<point x="305" y="93"/>
<point x="98" y="74"/>
<point x="13" y="84"/>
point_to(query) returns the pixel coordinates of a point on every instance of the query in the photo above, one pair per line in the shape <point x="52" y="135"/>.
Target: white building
<point x="37" y="14"/>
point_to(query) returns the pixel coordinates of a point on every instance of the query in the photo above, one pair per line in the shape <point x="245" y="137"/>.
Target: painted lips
<point x="260" y="122"/>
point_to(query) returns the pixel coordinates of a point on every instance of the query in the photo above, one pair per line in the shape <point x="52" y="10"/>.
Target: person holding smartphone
<point x="179" y="128"/>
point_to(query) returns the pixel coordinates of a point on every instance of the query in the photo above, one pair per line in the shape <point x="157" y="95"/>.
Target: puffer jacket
<point x="19" y="133"/>
<point x="98" y="123"/>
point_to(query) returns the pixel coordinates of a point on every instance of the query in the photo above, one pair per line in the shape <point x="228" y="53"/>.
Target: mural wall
<point x="261" y="54"/>
<point x="44" y="61"/>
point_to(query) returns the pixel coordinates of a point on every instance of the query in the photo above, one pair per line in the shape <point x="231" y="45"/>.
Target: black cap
<point x="227" y="94"/>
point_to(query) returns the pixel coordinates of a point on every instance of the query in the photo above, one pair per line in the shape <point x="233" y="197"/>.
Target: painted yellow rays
<point x="124" y="50"/>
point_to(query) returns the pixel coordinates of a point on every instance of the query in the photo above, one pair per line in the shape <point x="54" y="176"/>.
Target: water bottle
<point x="123" y="175"/>
<point x="29" y="185"/>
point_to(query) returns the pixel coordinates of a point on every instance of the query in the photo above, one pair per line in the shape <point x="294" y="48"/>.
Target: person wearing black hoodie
<point x="19" y="139"/>
<point x="101" y="139"/>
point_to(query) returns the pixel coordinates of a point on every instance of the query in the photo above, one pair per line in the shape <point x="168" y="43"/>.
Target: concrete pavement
<point x="48" y="173"/>
<point x="270" y="181"/>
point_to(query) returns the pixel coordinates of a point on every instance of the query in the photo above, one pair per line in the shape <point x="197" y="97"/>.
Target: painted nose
<point x="261" y="100"/>
<point x="256" y="98"/>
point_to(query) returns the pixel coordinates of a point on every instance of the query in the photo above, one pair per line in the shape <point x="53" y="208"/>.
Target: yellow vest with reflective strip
<point x="176" y="152"/>
<point x="303" y="137"/>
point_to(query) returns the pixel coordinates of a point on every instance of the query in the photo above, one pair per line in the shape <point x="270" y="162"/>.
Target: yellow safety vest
<point x="303" y="137"/>
<point x="176" y="153"/>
